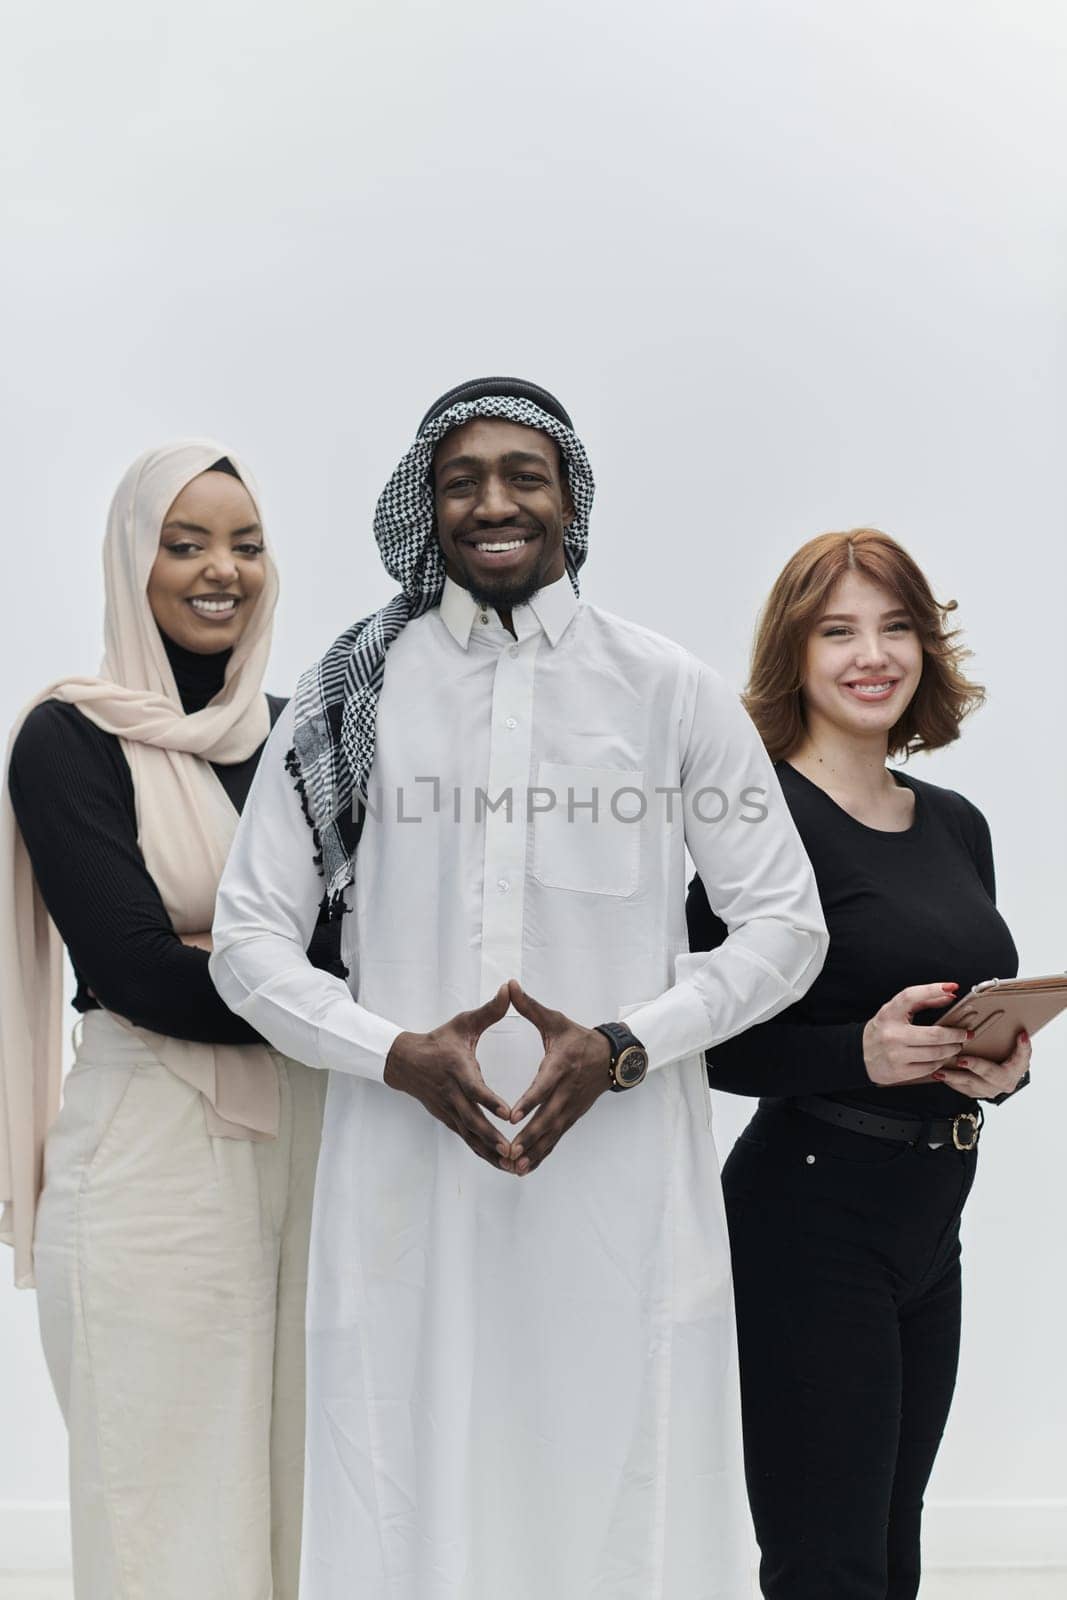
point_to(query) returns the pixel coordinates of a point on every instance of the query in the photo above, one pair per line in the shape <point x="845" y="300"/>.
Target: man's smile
<point x="498" y="549"/>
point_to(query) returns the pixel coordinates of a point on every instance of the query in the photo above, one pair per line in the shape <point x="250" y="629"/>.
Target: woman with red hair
<point x="844" y="1192"/>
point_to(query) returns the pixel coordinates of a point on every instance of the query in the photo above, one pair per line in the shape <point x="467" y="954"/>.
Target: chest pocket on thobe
<point x="590" y="838"/>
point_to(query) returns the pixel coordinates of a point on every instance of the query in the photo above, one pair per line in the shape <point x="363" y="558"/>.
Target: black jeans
<point x="846" y="1262"/>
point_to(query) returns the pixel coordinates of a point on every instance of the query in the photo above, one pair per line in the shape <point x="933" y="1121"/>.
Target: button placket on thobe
<point x="504" y="861"/>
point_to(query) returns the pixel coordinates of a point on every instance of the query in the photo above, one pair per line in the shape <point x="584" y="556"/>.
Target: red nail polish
<point x="1025" y="1037"/>
<point x="940" y="1076"/>
<point x="961" y="1062"/>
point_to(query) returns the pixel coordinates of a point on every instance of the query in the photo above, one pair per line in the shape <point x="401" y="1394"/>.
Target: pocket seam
<point x="538" y="867"/>
<point x="105" y="1132"/>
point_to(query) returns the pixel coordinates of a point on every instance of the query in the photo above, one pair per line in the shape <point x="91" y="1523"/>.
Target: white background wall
<point x="791" y="267"/>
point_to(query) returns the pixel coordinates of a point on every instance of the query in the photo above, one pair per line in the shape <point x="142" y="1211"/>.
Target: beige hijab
<point x="185" y="824"/>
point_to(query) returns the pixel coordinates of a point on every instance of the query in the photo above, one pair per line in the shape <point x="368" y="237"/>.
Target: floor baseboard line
<point x="959" y="1537"/>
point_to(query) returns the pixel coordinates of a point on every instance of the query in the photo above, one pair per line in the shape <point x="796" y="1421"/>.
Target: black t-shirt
<point x="73" y="797"/>
<point x="907" y="908"/>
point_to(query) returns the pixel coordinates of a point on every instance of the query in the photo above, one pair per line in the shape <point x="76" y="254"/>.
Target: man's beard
<point x="507" y="593"/>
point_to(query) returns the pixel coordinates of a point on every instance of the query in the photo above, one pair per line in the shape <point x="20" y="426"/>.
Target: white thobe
<point x="525" y="1387"/>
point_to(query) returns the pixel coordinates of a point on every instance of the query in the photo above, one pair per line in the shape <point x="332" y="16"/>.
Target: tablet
<point x="997" y="1011"/>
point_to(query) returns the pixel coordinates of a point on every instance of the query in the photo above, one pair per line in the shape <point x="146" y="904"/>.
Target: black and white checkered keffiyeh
<point x="336" y="700"/>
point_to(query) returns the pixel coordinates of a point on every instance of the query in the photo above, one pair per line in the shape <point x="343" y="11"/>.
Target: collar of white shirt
<point x="551" y="609"/>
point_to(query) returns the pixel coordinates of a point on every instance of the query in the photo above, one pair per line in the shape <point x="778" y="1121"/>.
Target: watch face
<point x="631" y="1067"/>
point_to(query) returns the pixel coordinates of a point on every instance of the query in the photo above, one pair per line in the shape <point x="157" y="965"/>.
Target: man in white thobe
<point x="521" y="1354"/>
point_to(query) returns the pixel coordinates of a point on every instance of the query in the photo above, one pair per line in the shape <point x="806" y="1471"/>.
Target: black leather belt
<point x="961" y="1132"/>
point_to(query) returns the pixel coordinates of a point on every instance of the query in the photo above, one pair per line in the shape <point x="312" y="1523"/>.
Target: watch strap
<point x="619" y="1037"/>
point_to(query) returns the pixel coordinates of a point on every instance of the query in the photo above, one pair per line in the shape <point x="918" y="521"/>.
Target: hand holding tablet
<point x="997" y="1011"/>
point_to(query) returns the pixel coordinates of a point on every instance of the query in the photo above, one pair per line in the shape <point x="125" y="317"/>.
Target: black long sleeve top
<point x="73" y="797"/>
<point x="905" y="908"/>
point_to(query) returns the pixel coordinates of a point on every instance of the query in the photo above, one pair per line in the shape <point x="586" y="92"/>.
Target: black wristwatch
<point x="629" y="1058"/>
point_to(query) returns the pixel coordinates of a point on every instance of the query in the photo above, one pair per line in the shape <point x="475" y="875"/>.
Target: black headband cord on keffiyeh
<point x="336" y="700"/>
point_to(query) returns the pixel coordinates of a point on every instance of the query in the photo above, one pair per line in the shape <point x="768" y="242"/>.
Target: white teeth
<point x="515" y="544"/>
<point x="215" y="607"/>
<point x="871" y="689"/>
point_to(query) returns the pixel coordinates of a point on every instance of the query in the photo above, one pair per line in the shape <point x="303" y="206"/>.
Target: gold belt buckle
<point x="965" y="1116"/>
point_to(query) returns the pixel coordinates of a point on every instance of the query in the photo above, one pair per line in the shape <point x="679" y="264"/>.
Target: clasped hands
<point x="440" y="1069"/>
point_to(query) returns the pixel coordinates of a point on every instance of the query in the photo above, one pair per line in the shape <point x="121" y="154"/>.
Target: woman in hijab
<point x="166" y="1217"/>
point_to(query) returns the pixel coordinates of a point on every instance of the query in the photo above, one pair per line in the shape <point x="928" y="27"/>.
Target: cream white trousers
<point x="171" y="1277"/>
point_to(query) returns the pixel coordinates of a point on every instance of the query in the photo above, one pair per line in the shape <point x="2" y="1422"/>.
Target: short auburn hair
<point x="773" y="698"/>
